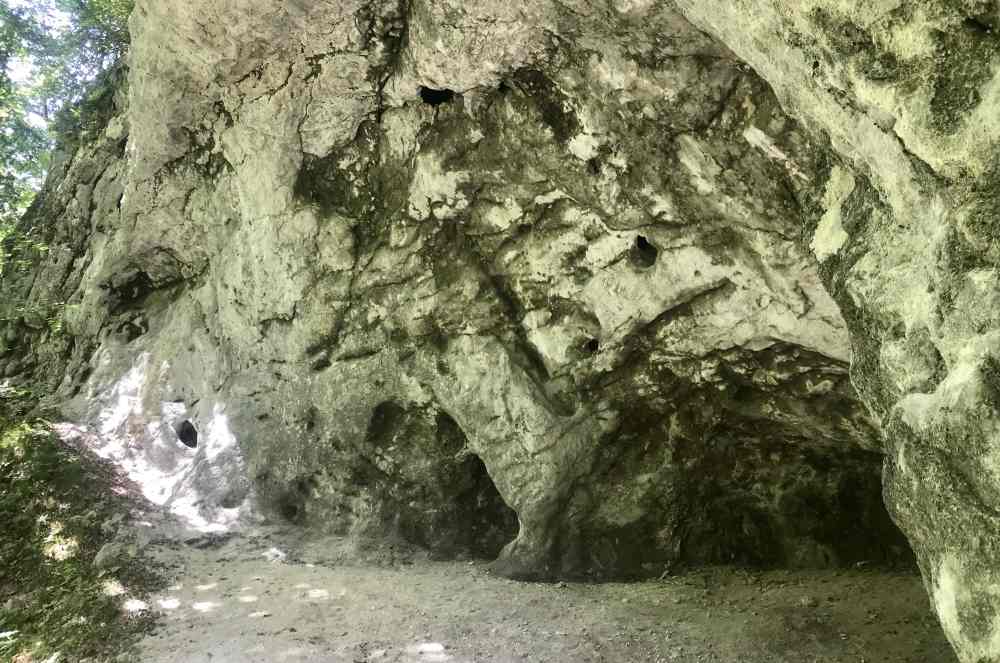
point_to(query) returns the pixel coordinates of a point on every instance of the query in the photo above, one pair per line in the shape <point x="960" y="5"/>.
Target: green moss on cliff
<point x="967" y="52"/>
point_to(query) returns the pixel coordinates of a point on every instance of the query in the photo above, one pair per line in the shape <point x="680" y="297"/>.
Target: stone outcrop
<point x="906" y="94"/>
<point x="573" y="284"/>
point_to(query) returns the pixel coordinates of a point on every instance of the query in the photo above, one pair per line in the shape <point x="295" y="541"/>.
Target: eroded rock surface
<point x="549" y="280"/>
<point x="906" y="92"/>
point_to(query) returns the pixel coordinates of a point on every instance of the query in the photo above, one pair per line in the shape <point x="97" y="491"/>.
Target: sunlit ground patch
<point x="432" y="652"/>
<point x="274" y="555"/>
<point x="57" y="511"/>
<point x="135" y="606"/>
<point x="169" y="603"/>
<point x="206" y="606"/>
<point x="58" y="547"/>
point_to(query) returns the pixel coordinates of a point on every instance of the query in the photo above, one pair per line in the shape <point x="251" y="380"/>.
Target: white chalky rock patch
<point x="830" y="235"/>
<point x="950" y="590"/>
<point x="766" y="144"/>
<point x="432" y="184"/>
<point x="584" y="146"/>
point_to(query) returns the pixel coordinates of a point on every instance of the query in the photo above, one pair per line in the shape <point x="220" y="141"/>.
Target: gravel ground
<point x="250" y="598"/>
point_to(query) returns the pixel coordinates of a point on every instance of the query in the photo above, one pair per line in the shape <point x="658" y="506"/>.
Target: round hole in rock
<point x="592" y="346"/>
<point x="187" y="434"/>
<point x="643" y="253"/>
<point x="434" y="97"/>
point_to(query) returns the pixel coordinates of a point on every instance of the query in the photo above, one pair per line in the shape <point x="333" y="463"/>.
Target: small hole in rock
<point x="594" y="166"/>
<point x="187" y="434"/>
<point x="436" y="97"/>
<point x="289" y="510"/>
<point x="643" y="253"/>
<point x="592" y="346"/>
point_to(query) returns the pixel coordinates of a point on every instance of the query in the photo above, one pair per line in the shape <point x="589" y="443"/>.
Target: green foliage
<point x="22" y="145"/>
<point x="59" y="48"/>
<point x="20" y="248"/>
<point x="95" y="40"/>
<point x="70" y="43"/>
<point x="38" y="314"/>
<point x="53" y="504"/>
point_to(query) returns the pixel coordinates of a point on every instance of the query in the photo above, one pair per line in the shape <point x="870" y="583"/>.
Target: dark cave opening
<point x="412" y="478"/>
<point x="808" y="509"/>
<point x="187" y="434"/>
<point x="643" y="253"/>
<point x="764" y="473"/>
<point x="433" y="97"/>
<point x="451" y="508"/>
<point x="289" y="510"/>
<point x="491" y="523"/>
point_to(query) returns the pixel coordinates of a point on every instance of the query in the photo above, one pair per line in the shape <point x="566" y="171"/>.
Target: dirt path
<point x="248" y="600"/>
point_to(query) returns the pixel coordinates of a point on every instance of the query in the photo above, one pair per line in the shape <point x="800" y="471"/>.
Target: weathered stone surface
<point x="421" y="270"/>
<point x="907" y="95"/>
<point x="576" y="280"/>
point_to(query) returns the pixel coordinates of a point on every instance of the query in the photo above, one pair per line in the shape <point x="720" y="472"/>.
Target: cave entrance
<point x="808" y="508"/>
<point x="477" y="522"/>
<point x="767" y="472"/>
<point x="435" y="493"/>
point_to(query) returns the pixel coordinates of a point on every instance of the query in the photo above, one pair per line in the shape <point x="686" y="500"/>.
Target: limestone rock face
<point x="481" y="277"/>
<point x="906" y="93"/>
<point x="574" y="284"/>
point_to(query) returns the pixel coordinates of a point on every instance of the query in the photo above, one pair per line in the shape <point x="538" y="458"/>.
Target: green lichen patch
<point x="856" y="45"/>
<point x="845" y="36"/>
<point x="551" y="102"/>
<point x="966" y="56"/>
<point x="340" y="189"/>
<point x="979" y="229"/>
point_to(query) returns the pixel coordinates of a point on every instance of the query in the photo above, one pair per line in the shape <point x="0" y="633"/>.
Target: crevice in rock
<point x="134" y="328"/>
<point x="552" y="103"/>
<point x="980" y="24"/>
<point x="436" y="98"/>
